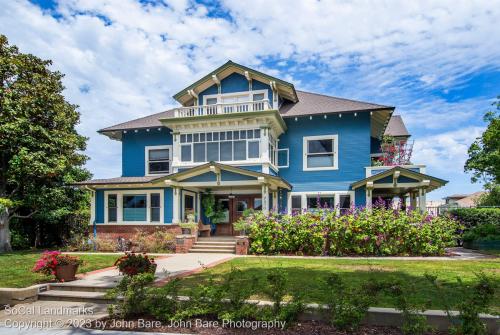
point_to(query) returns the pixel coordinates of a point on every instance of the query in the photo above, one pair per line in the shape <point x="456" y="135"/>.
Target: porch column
<point x="369" y="194"/>
<point x="413" y="200"/>
<point x="421" y="199"/>
<point x="176" y="191"/>
<point x="265" y="199"/>
<point x="275" y="201"/>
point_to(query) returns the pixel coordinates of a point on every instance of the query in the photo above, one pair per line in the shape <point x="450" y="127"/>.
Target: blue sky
<point x="437" y="62"/>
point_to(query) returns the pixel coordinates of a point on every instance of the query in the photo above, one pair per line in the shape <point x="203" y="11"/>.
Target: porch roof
<point x="214" y="170"/>
<point x="400" y="178"/>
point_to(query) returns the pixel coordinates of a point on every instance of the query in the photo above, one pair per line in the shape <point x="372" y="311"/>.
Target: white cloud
<point x="391" y="52"/>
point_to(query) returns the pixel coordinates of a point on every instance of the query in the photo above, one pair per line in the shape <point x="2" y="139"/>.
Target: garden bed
<point x="306" y="275"/>
<point x="15" y="267"/>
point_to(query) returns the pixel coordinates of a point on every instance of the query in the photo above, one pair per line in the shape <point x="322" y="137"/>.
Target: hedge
<point x="471" y="217"/>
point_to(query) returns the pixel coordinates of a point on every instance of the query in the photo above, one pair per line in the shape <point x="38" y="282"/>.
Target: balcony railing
<point x="223" y="108"/>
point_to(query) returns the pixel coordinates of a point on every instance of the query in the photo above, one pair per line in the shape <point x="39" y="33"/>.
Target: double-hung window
<point x="134" y="206"/>
<point x="158" y="159"/>
<point x="320" y="153"/>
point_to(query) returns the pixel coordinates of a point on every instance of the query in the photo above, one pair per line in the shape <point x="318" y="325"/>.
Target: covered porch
<point x="409" y="186"/>
<point x="235" y="190"/>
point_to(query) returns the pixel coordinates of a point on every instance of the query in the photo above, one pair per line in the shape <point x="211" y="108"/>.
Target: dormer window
<point x="158" y="159"/>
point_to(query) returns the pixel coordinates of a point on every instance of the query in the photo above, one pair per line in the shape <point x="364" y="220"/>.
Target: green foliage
<point x="40" y="149"/>
<point x="163" y="302"/>
<point x="244" y="223"/>
<point x="19" y="240"/>
<point x="476" y="298"/>
<point x="359" y="232"/>
<point x="133" y="264"/>
<point x="471" y="217"/>
<point x="414" y="322"/>
<point x="484" y="232"/>
<point x="131" y="296"/>
<point x="213" y="211"/>
<point x="347" y="307"/>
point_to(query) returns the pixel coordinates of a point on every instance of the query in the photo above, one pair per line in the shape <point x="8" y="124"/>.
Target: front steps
<point x="214" y="245"/>
<point x="76" y="293"/>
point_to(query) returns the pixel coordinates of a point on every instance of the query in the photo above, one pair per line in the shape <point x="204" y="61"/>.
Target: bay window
<point x="224" y="146"/>
<point x="320" y="153"/>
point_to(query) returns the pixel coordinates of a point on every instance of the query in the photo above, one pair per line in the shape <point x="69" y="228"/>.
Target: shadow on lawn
<point x="310" y="283"/>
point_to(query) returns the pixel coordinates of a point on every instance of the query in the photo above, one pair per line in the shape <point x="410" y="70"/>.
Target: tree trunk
<point x="4" y="232"/>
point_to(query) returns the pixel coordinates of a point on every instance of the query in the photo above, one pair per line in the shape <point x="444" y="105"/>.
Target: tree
<point x="40" y="150"/>
<point x="484" y="155"/>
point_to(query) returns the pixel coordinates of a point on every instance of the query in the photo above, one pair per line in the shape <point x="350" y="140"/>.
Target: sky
<point x="438" y="62"/>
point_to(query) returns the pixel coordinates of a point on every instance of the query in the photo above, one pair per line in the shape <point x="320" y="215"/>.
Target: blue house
<point x="254" y="141"/>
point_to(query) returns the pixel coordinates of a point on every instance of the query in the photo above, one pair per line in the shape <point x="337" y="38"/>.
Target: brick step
<point x="217" y="239"/>
<point x="212" y="251"/>
<point x="222" y="244"/>
<point x="214" y="247"/>
<point x="77" y="296"/>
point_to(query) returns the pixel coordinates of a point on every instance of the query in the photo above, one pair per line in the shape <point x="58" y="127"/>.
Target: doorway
<point x="234" y="207"/>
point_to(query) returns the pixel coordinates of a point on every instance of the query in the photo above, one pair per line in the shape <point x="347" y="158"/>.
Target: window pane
<point x="241" y="206"/>
<point x="253" y="149"/>
<point x="196" y="137"/>
<point x="134" y="207"/>
<point x="211" y="101"/>
<point x="320" y="161"/>
<point x="157" y="167"/>
<point x="112" y="200"/>
<point x="216" y="136"/>
<point x="155" y="199"/>
<point x="257" y="133"/>
<point x="319" y="146"/>
<point x="345" y="201"/>
<point x="112" y="210"/>
<point x="186" y="153"/>
<point x="258" y="97"/>
<point x="240" y="150"/>
<point x="189" y="138"/>
<point x="296" y="202"/>
<point x="183" y="138"/>
<point x="158" y="154"/>
<point x="224" y="205"/>
<point x="243" y="134"/>
<point x="257" y="204"/>
<point x="188" y="205"/>
<point x="213" y="151"/>
<point x="226" y="151"/>
<point x="199" y="152"/>
<point x="249" y="133"/>
<point x="324" y="202"/>
<point x="222" y="135"/>
<point x="236" y="135"/>
<point x="202" y="137"/>
<point x="229" y="135"/>
<point x="209" y="136"/>
<point x="155" y="214"/>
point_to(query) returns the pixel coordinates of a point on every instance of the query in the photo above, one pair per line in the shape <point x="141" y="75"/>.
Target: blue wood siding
<point x="232" y="176"/>
<point x="168" y="202"/>
<point x="354" y="151"/>
<point x="360" y="195"/>
<point x="235" y="83"/>
<point x="208" y="176"/>
<point x="133" y="149"/>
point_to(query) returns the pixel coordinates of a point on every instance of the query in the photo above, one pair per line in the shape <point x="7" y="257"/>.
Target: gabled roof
<point x="121" y="180"/>
<point x="434" y="182"/>
<point x="396" y="127"/>
<point x="285" y="89"/>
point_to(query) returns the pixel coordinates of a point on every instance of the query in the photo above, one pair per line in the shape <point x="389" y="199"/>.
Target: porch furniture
<point x="204" y="229"/>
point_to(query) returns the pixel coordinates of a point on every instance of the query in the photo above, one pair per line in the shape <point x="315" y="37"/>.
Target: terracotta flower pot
<point x="66" y="273"/>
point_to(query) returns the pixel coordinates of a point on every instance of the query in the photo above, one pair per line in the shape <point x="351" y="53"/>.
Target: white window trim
<point x="287" y="158"/>
<point x="335" y="148"/>
<point x="146" y="158"/>
<point x="119" y="208"/>
<point x="249" y="94"/>
<point x="305" y="195"/>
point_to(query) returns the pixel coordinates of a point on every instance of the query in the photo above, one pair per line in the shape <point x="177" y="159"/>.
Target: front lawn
<point x="15" y="267"/>
<point x="306" y="275"/>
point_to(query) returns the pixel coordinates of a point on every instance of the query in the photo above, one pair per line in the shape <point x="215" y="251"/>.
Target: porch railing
<point x="223" y="108"/>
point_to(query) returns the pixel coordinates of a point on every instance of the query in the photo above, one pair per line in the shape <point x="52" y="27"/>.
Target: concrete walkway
<point x="171" y="266"/>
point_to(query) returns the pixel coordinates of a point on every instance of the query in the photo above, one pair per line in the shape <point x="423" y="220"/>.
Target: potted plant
<point x="132" y="264"/>
<point x="188" y="228"/>
<point x="213" y="211"/>
<point x="63" y="267"/>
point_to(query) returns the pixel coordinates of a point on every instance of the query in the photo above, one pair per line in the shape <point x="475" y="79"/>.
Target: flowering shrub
<point x="132" y="264"/>
<point x="357" y="232"/>
<point x="158" y="241"/>
<point x="49" y="260"/>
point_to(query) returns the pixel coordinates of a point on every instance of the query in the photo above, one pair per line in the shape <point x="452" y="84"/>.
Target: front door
<point x="234" y="207"/>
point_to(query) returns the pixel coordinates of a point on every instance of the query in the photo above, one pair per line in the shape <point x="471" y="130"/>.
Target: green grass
<point x="307" y="275"/>
<point x="15" y="267"/>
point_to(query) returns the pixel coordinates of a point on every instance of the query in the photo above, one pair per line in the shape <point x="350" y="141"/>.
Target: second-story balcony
<point x="223" y="108"/>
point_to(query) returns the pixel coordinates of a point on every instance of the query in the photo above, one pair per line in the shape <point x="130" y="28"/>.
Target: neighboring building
<point x="255" y="142"/>
<point x="463" y="200"/>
